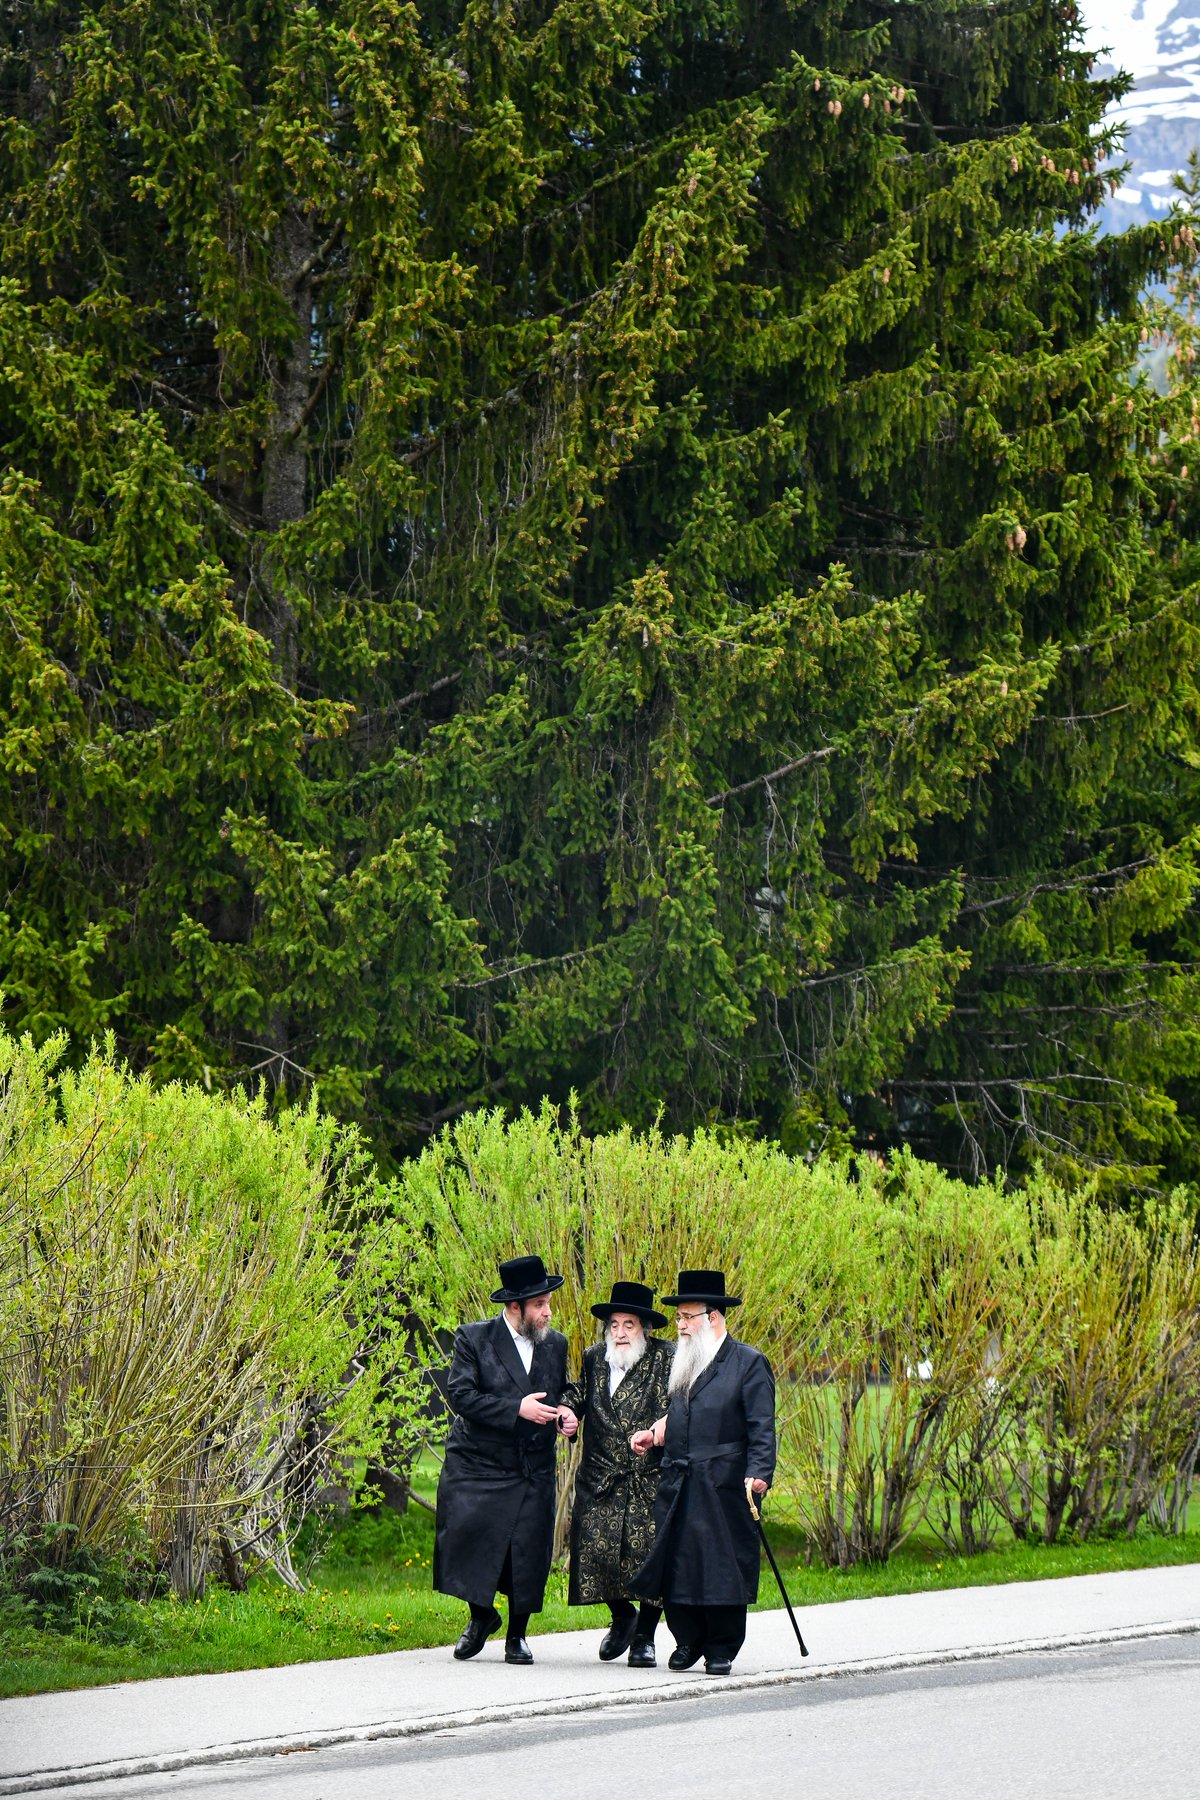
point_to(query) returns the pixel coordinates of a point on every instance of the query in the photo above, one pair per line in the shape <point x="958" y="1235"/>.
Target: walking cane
<point x="774" y="1567"/>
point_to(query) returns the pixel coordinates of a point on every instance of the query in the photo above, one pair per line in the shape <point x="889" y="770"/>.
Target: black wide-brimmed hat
<point x="707" y="1285"/>
<point x="630" y="1297"/>
<point x="524" y="1278"/>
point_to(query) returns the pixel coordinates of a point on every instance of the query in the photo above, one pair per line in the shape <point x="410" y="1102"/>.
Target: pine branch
<point x="526" y="968"/>
<point x="789" y="768"/>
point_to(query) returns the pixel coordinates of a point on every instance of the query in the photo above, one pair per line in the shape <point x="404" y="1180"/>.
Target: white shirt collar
<point x="524" y="1346"/>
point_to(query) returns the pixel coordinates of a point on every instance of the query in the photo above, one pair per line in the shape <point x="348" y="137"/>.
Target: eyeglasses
<point x="693" y="1316"/>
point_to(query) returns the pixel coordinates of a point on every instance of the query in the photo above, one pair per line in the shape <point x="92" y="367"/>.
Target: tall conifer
<point x="607" y="545"/>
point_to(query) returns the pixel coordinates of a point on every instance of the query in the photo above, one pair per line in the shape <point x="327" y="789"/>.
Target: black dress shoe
<point x="718" y="1665"/>
<point x="684" y="1656"/>
<point x="617" y="1638"/>
<point x="476" y="1636"/>
<point x="641" y="1654"/>
<point x="516" y="1650"/>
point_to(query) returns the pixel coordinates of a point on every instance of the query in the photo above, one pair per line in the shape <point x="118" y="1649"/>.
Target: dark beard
<point x="535" y="1334"/>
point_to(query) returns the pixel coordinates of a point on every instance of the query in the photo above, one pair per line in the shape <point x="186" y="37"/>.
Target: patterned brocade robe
<point x="612" y="1526"/>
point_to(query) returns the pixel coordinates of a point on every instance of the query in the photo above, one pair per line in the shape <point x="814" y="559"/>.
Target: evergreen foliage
<point x="596" y="543"/>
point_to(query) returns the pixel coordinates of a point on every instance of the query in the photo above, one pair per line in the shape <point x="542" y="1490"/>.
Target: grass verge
<point x="371" y="1592"/>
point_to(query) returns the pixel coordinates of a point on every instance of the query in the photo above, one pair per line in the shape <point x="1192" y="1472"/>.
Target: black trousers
<point x="647" y="1615"/>
<point x="518" y="1623"/>
<point x="717" y="1630"/>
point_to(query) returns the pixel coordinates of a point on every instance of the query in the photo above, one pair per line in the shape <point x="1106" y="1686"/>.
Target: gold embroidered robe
<point x="612" y="1526"/>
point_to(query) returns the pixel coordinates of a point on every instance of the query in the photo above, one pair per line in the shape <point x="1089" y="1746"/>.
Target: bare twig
<point x="800" y="762"/>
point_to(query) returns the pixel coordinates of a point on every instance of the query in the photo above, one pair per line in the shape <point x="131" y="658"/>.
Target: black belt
<point x="738" y="1447"/>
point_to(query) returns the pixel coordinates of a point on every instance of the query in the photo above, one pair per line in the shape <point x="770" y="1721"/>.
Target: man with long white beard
<point x="622" y="1386"/>
<point x="495" y="1500"/>
<point x="718" y="1443"/>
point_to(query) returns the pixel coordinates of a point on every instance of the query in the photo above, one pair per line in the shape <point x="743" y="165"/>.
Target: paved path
<point x="58" y="1740"/>
<point x="1080" y="1724"/>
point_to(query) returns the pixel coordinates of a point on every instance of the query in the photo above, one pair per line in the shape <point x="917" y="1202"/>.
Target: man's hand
<point x="532" y="1409"/>
<point x="653" y="1439"/>
<point x="568" y="1424"/>
<point x="758" y="1485"/>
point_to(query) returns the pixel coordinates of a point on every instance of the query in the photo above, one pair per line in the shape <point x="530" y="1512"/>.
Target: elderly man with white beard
<point x="622" y="1386"/>
<point x="718" y="1443"/>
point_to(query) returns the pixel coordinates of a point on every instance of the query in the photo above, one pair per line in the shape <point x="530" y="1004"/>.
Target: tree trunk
<point x="285" y="458"/>
<point x="285" y="496"/>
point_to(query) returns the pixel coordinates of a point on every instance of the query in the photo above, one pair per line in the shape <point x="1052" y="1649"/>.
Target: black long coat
<point x="705" y="1538"/>
<point x="496" y="1490"/>
<point x="612" y="1525"/>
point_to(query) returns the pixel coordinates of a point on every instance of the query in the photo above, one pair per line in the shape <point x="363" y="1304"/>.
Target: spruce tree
<point x="593" y="546"/>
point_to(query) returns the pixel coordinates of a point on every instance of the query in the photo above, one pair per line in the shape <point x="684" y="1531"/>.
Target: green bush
<point x="901" y="1342"/>
<point x="196" y="1322"/>
<point x="52" y="1584"/>
<point x="209" y="1317"/>
<point x="971" y="1355"/>
<point x="1101" y="1430"/>
<point x="639" y="1207"/>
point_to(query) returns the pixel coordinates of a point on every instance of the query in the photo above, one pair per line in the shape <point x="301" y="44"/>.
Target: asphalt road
<point x="1114" y="1720"/>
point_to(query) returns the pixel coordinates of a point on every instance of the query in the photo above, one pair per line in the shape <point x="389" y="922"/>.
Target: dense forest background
<point x="612" y="545"/>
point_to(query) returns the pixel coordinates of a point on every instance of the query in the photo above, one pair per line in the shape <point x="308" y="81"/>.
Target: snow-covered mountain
<point x="1158" y="43"/>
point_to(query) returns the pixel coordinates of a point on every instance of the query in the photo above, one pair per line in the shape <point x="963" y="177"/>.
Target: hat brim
<point x="508" y="1295"/>
<point x="709" y="1300"/>
<point x="605" y="1309"/>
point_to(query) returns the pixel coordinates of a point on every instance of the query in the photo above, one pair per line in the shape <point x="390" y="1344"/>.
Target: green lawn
<point x="371" y="1592"/>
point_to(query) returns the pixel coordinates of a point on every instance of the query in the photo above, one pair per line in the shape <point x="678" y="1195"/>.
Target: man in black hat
<point x="718" y="1443"/>
<point x="495" y="1499"/>
<point x="622" y="1387"/>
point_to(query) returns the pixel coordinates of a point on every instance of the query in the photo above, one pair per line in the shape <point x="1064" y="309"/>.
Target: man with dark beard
<point x="495" y="1500"/>
<point x="623" y="1385"/>
<point x="718" y="1441"/>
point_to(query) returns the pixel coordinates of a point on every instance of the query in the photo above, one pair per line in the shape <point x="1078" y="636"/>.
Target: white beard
<point x="623" y="1357"/>
<point x="692" y="1356"/>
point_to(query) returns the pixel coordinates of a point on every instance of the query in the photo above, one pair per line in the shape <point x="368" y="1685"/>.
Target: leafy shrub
<point x="209" y="1316"/>
<point x="53" y="1584"/>
<point x="195" y="1321"/>
<point x="1104" y="1421"/>
<point x="637" y="1207"/>
<point x="899" y="1348"/>
<point x="969" y="1354"/>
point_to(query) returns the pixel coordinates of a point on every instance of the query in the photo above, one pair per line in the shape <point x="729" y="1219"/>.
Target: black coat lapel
<point x="506" y="1350"/>
<point x="542" y="1373"/>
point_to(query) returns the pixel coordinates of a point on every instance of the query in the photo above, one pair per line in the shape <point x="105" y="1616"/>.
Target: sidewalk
<point x="56" y="1740"/>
